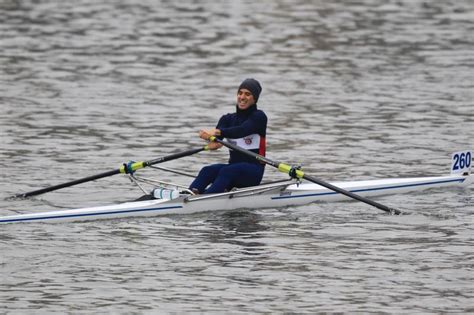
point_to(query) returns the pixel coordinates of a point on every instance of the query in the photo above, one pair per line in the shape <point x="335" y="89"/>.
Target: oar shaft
<point x="68" y="184"/>
<point x="173" y="156"/>
<point x="282" y="167"/>
<point x="351" y="194"/>
<point x="123" y="169"/>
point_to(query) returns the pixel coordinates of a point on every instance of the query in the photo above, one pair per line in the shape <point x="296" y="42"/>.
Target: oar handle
<point x="295" y="172"/>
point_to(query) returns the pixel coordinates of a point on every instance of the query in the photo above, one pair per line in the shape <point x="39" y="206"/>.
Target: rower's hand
<point x="214" y="145"/>
<point x="206" y="134"/>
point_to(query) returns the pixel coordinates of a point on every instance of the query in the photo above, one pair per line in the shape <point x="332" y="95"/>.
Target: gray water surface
<point x="353" y="90"/>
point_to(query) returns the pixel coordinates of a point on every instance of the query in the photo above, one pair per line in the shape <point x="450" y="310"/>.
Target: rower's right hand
<point x="214" y="145"/>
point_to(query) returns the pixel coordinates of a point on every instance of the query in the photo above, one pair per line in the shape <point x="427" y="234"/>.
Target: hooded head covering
<point x="253" y="86"/>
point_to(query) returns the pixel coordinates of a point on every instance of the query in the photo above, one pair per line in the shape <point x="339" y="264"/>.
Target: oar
<point x="124" y="169"/>
<point x="285" y="168"/>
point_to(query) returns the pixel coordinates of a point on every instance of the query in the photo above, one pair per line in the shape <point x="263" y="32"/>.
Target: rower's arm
<point x="255" y="124"/>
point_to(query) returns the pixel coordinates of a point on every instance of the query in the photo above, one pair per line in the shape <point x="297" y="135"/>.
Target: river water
<point x="353" y="90"/>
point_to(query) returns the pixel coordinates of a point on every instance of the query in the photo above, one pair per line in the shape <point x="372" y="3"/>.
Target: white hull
<point x="266" y="196"/>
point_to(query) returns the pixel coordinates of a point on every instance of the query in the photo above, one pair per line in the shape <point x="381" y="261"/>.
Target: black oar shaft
<point x="68" y="184"/>
<point x="173" y="156"/>
<point x="300" y="174"/>
<point x="350" y="194"/>
<point x="122" y="169"/>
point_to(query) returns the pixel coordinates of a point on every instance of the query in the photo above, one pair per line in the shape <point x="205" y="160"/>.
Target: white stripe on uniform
<point x="251" y="142"/>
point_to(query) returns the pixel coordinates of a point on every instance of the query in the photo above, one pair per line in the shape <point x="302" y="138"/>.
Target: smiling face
<point x="245" y="99"/>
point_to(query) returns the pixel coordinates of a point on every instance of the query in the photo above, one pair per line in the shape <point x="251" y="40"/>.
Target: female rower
<point x="246" y="128"/>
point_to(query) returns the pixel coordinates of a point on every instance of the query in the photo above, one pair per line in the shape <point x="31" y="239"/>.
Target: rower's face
<point x="245" y="99"/>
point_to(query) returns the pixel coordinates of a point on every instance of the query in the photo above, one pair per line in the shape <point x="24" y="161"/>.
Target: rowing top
<point x="247" y="129"/>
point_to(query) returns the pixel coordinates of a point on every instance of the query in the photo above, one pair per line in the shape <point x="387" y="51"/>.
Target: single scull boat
<point x="272" y="195"/>
<point x="293" y="192"/>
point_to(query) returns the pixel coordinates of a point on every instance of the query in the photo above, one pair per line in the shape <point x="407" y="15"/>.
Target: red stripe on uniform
<point x="263" y="146"/>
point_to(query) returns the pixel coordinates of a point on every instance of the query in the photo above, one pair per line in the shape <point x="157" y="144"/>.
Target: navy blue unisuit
<point x="247" y="129"/>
